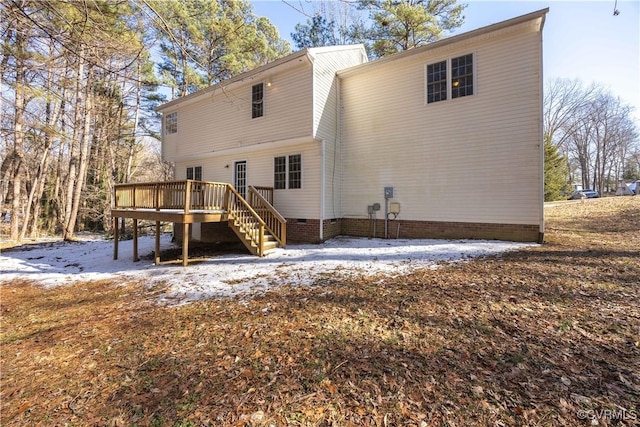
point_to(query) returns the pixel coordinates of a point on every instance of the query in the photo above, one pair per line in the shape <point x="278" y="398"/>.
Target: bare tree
<point x="593" y="129"/>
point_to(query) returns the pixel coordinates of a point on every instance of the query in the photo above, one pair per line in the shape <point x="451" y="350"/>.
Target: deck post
<point x="115" y="237"/>
<point x="261" y="241"/>
<point x="157" y="248"/>
<point x="187" y="197"/>
<point x="185" y="244"/>
<point x="156" y="199"/>
<point x="135" y="240"/>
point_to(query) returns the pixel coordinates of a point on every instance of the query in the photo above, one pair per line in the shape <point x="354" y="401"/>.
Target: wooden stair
<point x="250" y="227"/>
<point x="249" y="234"/>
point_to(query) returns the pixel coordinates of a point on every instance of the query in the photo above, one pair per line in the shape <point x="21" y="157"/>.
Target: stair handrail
<point x="275" y="223"/>
<point x="264" y="191"/>
<point x="232" y="214"/>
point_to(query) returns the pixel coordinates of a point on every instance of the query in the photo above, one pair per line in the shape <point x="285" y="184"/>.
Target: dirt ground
<point x="545" y="336"/>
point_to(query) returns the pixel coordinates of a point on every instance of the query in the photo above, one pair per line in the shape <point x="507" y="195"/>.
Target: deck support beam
<point x="135" y="241"/>
<point x="185" y="244"/>
<point x="116" y="237"/>
<point x="156" y="260"/>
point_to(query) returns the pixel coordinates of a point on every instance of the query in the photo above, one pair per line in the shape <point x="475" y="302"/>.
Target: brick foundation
<point x="332" y="228"/>
<point x="303" y="230"/>
<point x="308" y="230"/>
<point x="442" y="230"/>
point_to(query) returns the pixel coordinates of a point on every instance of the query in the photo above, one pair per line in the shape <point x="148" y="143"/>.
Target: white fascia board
<point x="538" y="17"/>
<point x="249" y="148"/>
<point x="269" y="69"/>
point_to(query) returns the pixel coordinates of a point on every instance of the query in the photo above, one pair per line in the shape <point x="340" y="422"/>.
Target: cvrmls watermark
<point x="608" y="414"/>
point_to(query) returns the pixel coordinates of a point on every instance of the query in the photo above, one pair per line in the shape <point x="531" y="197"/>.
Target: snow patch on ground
<point x="234" y="275"/>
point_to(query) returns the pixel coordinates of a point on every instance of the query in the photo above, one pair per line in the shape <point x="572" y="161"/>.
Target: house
<point x="624" y="189"/>
<point x="447" y="137"/>
<point x="634" y="187"/>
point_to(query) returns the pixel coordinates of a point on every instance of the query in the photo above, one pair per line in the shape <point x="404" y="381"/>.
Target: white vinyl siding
<point x="473" y="160"/>
<point x="222" y="119"/>
<point x="299" y="203"/>
<point x="325" y="91"/>
<point x="325" y="115"/>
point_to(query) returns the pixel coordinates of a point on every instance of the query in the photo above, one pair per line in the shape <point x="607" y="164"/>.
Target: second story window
<point x="257" y="100"/>
<point x="171" y="123"/>
<point x="450" y="79"/>
<point x="195" y="173"/>
<point x="437" y="82"/>
<point x="462" y="76"/>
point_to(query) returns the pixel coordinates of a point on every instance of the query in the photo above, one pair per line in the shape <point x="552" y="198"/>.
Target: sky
<point x="582" y="39"/>
<point x="232" y="274"/>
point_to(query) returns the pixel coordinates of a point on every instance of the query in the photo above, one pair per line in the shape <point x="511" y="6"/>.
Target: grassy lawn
<point x="545" y="336"/>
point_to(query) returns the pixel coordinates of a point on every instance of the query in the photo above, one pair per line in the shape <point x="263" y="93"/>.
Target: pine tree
<point x="316" y="32"/>
<point x="402" y="25"/>
<point x="556" y="173"/>
<point x="206" y="41"/>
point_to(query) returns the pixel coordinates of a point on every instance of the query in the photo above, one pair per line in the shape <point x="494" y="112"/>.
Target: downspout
<point x="337" y="155"/>
<point x="322" y="189"/>
<point x="540" y="141"/>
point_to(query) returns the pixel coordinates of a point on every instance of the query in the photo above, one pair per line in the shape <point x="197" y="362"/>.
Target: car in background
<point x="584" y="194"/>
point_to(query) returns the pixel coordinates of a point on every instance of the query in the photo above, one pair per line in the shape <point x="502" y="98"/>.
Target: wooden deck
<point x="256" y="223"/>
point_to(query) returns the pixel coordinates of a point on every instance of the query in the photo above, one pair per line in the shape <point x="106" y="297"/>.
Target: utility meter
<point x="388" y="192"/>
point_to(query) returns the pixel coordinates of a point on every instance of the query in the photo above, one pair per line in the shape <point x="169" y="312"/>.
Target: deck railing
<point x="276" y="224"/>
<point x="182" y="195"/>
<point x="265" y="192"/>
<point x="249" y="218"/>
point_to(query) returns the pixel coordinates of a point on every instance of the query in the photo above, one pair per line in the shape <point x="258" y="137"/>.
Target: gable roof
<point x="307" y="53"/>
<point x="539" y="14"/>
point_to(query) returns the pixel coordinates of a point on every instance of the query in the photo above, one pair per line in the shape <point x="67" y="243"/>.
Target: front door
<point x="240" y="177"/>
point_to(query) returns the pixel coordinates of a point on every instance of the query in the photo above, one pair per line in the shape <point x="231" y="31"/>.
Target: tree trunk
<point x="18" y="133"/>
<point x="35" y="195"/>
<point x="83" y="159"/>
<point x="72" y="177"/>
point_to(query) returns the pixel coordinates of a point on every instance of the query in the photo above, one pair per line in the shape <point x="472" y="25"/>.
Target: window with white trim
<point x="257" y="100"/>
<point x="295" y="171"/>
<point x="171" y="123"/>
<point x="280" y="173"/>
<point x="462" y="76"/>
<point x="437" y="82"/>
<point x="449" y="79"/>
<point x="287" y="172"/>
<point x="194" y="173"/>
